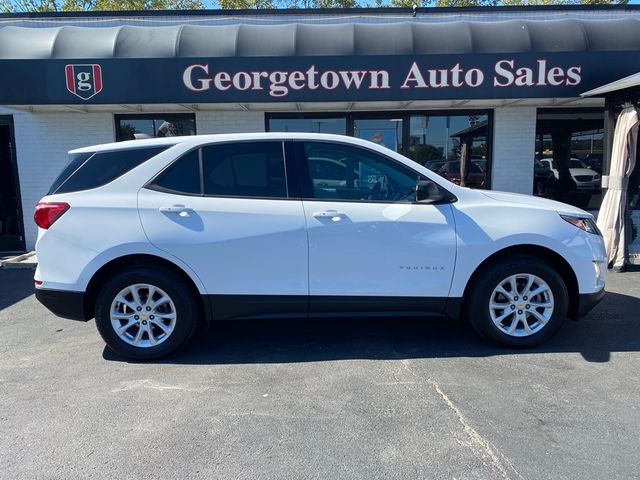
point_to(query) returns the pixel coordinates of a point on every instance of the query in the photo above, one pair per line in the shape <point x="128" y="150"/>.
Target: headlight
<point x="583" y="223"/>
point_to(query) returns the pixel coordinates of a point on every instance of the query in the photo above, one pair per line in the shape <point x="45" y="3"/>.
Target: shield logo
<point x="84" y="80"/>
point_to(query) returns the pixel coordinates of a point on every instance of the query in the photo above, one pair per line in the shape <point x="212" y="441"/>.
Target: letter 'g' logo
<point x="85" y="80"/>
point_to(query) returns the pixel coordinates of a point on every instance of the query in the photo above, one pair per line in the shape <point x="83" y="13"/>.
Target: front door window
<point x="343" y="172"/>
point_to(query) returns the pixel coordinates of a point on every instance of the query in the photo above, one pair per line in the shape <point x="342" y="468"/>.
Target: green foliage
<point x="325" y="4"/>
<point x="99" y="5"/>
<point x="246" y="4"/>
<point x="497" y="3"/>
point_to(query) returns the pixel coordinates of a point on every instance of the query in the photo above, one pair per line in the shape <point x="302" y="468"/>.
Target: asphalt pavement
<point x="331" y="399"/>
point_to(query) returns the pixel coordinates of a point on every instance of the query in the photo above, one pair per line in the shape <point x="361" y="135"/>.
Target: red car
<point x="476" y="176"/>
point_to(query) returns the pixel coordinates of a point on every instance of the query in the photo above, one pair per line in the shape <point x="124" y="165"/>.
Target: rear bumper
<point x="63" y="303"/>
<point x="589" y="300"/>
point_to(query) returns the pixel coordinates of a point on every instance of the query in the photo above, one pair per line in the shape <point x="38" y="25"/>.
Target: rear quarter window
<point x="91" y="170"/>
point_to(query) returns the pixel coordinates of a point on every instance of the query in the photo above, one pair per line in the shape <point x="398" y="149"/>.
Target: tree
<point x="111" y="5"/>
<point x="99" y="5"/>
<point x="498" y="3"/>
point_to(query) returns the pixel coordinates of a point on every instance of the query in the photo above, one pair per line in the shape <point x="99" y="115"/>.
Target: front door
<point x="11" y="233"/>
<point x="236" y="225"/>
<point x="367" y="235"/>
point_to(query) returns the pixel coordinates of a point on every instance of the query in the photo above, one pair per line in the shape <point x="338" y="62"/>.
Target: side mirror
<point x="428" y="192"/>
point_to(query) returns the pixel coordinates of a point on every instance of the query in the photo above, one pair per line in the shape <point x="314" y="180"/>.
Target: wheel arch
<point x="121" y="263"/>
<point x="547" y="255"/>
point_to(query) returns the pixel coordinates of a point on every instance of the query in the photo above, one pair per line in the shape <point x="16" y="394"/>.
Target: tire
<point x="154" y="328"/>
<point x="536" y="318"/>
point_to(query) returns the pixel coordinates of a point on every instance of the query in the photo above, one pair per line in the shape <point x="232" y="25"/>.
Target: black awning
<point x="301" y="39"/>
<point x="300" y="62"/>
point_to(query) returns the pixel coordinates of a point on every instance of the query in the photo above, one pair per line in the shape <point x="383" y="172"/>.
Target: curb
<point x="26" y="260"/>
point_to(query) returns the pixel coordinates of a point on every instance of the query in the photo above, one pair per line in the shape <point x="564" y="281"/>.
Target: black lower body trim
<point x="235" y="307"/>
<point x="321" y="306"/>
<point x="587" y="301"/>
<point x="453" y="308"/>
<point x="64" y="303"/>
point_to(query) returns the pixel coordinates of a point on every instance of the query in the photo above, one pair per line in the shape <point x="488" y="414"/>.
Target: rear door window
<point x="100" y="168"/>
<point x="250" y="169"/>
<point x="182" y="177"/>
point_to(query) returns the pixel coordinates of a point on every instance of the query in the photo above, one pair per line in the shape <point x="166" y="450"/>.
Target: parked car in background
<point x="435" y="165"/>
<point x="543" y="179"/>
<point x="476" y="177"/>
<point x="594" y="162"/>
<point x="585" y="178"/>
<point x="151" y="237"/>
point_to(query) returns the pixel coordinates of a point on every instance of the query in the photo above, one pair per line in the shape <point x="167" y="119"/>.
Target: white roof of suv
<point x="202" y="139"/>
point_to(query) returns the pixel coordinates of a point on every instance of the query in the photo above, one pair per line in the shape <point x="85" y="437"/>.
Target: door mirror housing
<point x="428" y="192"/>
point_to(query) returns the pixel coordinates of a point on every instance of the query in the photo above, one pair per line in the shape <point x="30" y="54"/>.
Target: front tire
<point x="144" y="313"/>
<point x="518" y="302"/>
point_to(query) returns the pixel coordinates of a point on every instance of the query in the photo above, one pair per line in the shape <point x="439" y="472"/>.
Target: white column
<point x="514" y="133"/>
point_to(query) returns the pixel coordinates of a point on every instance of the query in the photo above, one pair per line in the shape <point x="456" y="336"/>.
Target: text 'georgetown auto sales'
<point x="280" y="83"/>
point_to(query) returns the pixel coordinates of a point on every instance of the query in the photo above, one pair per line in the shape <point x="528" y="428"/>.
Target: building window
<point x="458" y="147"/>
<point x="568" y="157"/>
<point x="385" y="131"/>
<point x="136" y="127"/>
<point x="454" y="146"/>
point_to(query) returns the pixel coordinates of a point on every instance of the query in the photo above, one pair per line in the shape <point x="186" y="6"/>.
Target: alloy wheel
<point x="143" y="315"/>
<point x="521" y="305"/>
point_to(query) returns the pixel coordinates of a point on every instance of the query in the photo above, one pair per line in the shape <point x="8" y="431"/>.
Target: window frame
<point x="406" y="116"/>
<point x="290" y="172"/>
<point x="149" y="116"/>
<point x="306" y="182"/>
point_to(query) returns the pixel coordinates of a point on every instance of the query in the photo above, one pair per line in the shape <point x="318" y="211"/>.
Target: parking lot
<point x="348" y="398"/>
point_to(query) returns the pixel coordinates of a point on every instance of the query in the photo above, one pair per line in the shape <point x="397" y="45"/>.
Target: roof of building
<point x="337" y="39"/>
<point x="622" y="85"/>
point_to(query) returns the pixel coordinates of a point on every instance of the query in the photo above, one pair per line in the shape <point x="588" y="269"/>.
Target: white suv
<point x="152" y="236"/>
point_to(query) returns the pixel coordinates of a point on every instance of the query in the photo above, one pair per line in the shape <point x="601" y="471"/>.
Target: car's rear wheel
<point x="519" y="302"/>
<point x="143" y="313"/>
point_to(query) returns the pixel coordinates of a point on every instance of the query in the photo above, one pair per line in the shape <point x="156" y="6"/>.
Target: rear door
<point x="228" y="211"/>
<point x="371" y="245"/>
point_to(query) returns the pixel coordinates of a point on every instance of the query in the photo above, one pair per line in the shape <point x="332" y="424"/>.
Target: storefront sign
<point x="310" y="79"/>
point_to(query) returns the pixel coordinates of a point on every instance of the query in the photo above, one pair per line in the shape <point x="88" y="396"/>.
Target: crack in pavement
<point x="479" y="445"/>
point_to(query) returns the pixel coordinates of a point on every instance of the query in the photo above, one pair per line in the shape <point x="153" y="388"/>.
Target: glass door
<point x="11" y="233"/>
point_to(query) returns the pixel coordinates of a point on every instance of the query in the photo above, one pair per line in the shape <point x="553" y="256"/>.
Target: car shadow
<point x="21" y="286"/>
<point x="613" y="326"/>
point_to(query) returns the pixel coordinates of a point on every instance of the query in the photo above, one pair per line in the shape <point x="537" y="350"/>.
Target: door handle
<point x="332" y="214"/>
<point x="177" y="209"/>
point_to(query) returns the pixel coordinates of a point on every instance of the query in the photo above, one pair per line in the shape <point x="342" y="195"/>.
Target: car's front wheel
<point x="520" y="302"/>
<point x="143" y="313"/>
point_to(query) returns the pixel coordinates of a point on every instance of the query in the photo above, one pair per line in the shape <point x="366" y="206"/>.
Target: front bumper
<point x="587" y="301"/>
<point x="64" y="303"/>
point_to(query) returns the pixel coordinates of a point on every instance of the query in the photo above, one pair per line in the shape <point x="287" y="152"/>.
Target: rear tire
<point x="518" y="302"/>
<point x="143" y="313"/>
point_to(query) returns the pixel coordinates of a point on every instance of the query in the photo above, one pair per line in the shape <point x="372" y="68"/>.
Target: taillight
<point x="47" y="213"/>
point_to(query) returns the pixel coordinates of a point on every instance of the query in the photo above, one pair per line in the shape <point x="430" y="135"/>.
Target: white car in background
<point x="585" y="178"/>
<point x="152" y="236"/>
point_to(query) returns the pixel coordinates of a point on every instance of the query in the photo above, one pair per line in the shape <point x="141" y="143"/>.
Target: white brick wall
<point x="42" y="142"/>
<point x="208" y="122"/>
<point x="514" y="132"/>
